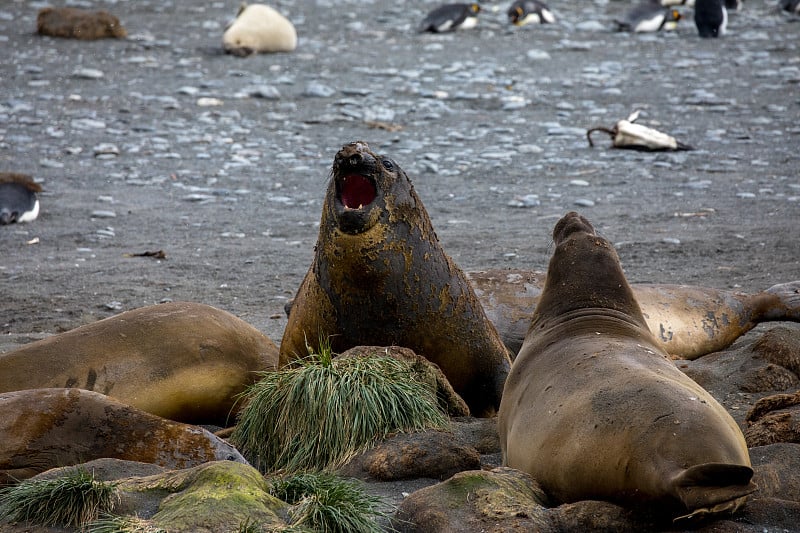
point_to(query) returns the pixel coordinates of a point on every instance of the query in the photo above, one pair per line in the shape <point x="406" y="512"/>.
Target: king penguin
<point x="451" y="17"/>
<point x="647" y="17"/>
<point x="19" y="199"/>
<point x="710" y="17"/>
<point x="524" y="12"/>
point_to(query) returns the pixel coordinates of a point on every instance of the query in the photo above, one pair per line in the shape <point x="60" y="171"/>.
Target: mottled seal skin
<point x="75" y="23"/>
<point x="380" y="277"/>
<point x="594" y="409"/>
<point x="183" y="361"/>
<point x="687" y="321"/>
<point x="42" y="429"/>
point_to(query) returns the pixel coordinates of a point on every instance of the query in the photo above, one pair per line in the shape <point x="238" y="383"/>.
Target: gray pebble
<point x="105" y="149"/>
<point x="319" y="90"/>
<point x="51" y="163"/>
<point x="268" y="92"/>
<point x="538" y="55"/>
<point x="103" y="214"/>
<point x="87" y="124"/>
<point x="528" y="200"/>
<point x="584" y="202"/>
<point x="88" y="74"/>
<point x="590" y="25"/>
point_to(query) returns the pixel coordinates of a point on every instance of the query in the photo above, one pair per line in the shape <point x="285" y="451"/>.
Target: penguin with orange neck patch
<point x="450" y="17"/>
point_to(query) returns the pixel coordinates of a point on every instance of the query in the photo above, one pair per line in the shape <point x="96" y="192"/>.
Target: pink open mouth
<point x="356" y="191"/>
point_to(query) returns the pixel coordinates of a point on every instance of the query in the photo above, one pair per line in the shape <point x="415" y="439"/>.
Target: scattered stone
<point x="88" y="73"/>
<point x="316" y="89"/>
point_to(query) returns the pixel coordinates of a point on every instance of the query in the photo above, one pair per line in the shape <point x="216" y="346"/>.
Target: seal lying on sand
<point x="258" y="28"/>
<point x="75" y="23"/>
<point x="183" y="361"/>
<point x="687" y="321"/>
<point x="380" y="277"/>
<point x="42" y="429"/>
<point x="594" y="409"/>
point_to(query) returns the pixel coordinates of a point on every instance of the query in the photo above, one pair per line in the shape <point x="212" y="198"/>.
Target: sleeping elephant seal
<point x="594" y="409"/>
<point x="379" y="277"/>
<point x="183" y="361"/>
<point x="688" y="321"/>
<point x="42" y="429"/>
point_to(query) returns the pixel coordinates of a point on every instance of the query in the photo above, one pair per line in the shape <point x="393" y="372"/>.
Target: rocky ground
<point x="161" y="142"/>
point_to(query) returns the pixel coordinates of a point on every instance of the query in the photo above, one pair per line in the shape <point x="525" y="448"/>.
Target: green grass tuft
<point x="122" y="524"/>
<point x="73" y="500"/>
<point x="328" y="503"/>
<point x="319" y="414"/>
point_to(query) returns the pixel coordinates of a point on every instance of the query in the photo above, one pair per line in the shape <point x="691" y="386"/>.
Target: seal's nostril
<point x="355" y="159"/>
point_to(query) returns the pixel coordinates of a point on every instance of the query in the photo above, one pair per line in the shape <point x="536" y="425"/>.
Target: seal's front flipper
<point x="713" y="488"/>
<point x="789" y="296"/>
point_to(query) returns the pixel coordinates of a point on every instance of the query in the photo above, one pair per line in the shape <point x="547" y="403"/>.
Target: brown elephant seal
<point x="183" y="361"/>
<point x="688" y="321"/>
<point x="380" y="277"/>
<point x="42" y="429"/>
<point x="75" y="23"/>
<point x="593" y="408"/>
<point x="259" y="29"/>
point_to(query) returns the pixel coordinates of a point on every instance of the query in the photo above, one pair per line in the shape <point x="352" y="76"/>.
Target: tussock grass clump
<point x="319" y="414"/>
<point x="72" y="500"/>
<point x="122" y="524"/>
<point x="326" y="502"/>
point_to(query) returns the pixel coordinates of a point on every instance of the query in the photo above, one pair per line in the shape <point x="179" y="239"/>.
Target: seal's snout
<point x="571" y="223"/>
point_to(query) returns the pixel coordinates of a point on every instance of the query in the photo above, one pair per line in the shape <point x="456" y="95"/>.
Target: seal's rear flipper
<point x="713" y="488"/>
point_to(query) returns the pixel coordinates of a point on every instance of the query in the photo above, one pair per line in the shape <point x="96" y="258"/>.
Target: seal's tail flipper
<point x="713" y="488"/>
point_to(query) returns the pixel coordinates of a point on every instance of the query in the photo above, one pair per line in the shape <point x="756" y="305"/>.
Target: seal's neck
<point x="585" y="273"/>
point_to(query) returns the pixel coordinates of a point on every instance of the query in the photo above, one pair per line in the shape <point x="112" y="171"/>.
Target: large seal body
<point x="380" y="277"/>
<point x="258" y="28"/>
<point x="183" y="361"/>
<point x="42" y="429"/>
<point x="594" y="408"/>
<point x="75" y="23"/>
<point x="687" y="321"/>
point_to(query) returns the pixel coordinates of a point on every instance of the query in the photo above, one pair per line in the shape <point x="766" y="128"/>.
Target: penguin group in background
<point x="524" y="12"/>
<point x="19" y="199"/>
<point x="710" y="17"/>
<point x="649" y="16"/>
<point x="792" y="6"/>
<point x="451" y="17"/>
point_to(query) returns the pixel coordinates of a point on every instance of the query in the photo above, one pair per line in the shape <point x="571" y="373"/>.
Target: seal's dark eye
<point x="387" y="164"/>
